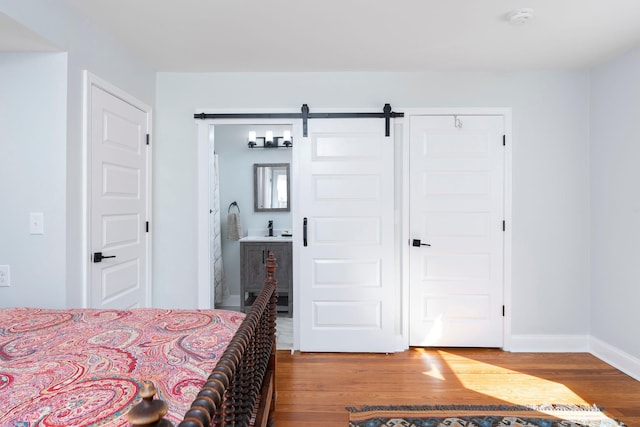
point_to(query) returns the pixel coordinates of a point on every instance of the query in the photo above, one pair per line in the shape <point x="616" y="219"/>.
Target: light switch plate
<point x="4" y="276"/>
<point x="36" y="223"/>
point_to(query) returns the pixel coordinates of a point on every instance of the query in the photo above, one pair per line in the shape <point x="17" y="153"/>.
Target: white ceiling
<point x="367" y="35"/>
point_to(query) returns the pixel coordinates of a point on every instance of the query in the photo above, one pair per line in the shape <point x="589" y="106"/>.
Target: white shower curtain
<point x="220" y="288"/>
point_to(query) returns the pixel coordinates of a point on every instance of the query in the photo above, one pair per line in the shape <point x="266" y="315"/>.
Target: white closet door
<point x="457" y="207"/>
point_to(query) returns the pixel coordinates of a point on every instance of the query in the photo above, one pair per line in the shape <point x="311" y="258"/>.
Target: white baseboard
<point x="615" y="357"/>
<point x="550" y="343"/>
<point x="231" y="301"/>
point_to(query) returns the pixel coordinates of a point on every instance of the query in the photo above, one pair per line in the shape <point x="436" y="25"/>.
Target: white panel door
<point x="346" y="278"/>
<point x="118" y="205"/>
<point x="456" y="207"/>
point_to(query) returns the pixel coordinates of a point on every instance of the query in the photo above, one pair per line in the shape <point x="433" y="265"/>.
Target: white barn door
<point x="346" y="265"/>
<point x="457" y="207"/>
<point x="118" y="205"/>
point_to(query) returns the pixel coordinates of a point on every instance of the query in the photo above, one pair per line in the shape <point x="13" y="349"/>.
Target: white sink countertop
<point x="262" y="235"/>
<point x="267" y="239"/>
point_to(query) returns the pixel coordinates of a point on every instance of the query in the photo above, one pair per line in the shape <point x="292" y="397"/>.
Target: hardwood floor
<point x="314" y="388"/>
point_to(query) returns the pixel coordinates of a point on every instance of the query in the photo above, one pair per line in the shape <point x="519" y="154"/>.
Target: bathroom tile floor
<point x="284" y="333"/>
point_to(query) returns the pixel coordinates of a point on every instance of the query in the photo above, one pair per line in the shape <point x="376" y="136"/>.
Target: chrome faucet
<point x="270" y="228"/>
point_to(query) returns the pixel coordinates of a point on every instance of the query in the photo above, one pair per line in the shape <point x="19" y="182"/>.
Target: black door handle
<point x="418" y="243"/>
<point x="98" y="257"/>
<point x="304" y="231"/>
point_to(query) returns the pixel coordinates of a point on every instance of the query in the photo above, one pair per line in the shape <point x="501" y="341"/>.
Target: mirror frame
<point x="256" y="208"/>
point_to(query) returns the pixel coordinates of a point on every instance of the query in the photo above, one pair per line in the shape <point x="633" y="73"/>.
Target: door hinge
<point x="504" y="140"/>
<point x="504" y="225"/>
<point x="503" y="311"/>
<point x="147" y="226"/>
<point x="147" y="139"/>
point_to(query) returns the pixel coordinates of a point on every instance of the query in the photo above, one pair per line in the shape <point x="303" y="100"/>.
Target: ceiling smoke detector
<point x="520" y="16"/>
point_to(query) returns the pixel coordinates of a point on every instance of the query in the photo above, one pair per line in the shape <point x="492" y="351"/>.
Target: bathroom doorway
<point x="231" y="176"/>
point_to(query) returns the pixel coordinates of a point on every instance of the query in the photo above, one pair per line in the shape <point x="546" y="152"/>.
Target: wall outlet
<point x="4" y="275"/>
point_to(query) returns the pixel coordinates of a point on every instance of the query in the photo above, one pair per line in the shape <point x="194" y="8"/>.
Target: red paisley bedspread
<point x="85" y="367"/>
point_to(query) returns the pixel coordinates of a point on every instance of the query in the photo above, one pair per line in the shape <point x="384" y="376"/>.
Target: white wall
<point x="236" y="185"/>
<point x="551" y="177"/>
<point x="550" y="169"/>
<point x="615" y="202"/>
<point x="33" y="99"/>
<point x="89" y="48"/>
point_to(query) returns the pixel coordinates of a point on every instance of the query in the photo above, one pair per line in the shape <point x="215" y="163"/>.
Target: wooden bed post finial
<point x="149" y="412"/>
<point x="271" y="270"/>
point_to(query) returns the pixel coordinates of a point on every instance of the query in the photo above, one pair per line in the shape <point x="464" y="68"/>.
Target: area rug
<point x="480" y="416"/>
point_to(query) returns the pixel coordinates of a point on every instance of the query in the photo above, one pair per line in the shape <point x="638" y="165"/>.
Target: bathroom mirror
<point x="271" y="187"/>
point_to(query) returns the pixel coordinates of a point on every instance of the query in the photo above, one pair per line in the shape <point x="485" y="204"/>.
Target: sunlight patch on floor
<point x="434" y="368"/>
<point x="434" y="373"/>
<point x="499" y="382"/>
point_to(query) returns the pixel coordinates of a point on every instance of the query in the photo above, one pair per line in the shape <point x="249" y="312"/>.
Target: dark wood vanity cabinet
<point x="253" y="256"/>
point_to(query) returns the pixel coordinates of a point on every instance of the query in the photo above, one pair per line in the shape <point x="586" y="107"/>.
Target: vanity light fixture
<point x="270" y="141"/>
<point x="286" y="139"/>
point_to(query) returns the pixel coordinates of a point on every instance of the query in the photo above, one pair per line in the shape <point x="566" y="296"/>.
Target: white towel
<point x="234" y="226"/>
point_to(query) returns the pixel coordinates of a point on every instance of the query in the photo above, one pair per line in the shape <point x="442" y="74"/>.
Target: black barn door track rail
<point x="305" y="115"/>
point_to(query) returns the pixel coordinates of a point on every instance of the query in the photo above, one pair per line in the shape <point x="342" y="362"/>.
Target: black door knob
<point x="98" y="257"/>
